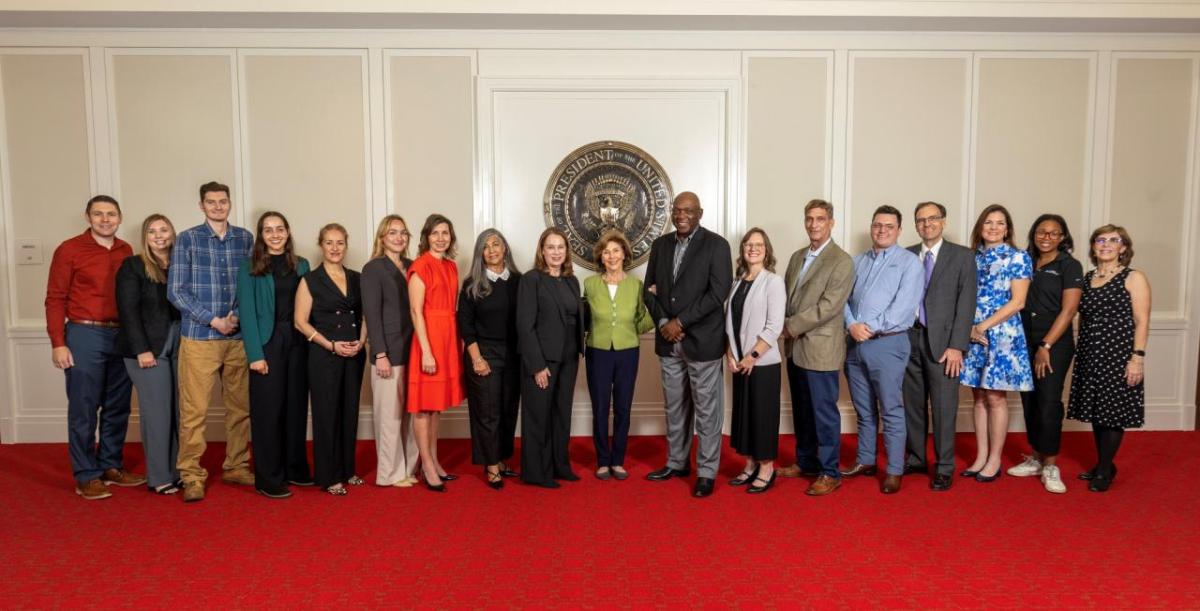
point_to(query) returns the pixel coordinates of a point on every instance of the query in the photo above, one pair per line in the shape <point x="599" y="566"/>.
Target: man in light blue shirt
<point x="888" y="284"/>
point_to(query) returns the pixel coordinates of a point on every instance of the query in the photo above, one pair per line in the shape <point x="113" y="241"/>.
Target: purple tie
<point x="928" y="275"/>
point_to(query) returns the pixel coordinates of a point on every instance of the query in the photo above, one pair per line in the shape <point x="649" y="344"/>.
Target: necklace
<point x="1101" y="273"/>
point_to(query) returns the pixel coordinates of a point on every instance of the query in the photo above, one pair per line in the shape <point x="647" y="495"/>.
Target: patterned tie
<point x="928" y="275"/>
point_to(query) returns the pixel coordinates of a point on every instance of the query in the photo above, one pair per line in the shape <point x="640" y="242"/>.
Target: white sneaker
<point x="1052" y="480"/>
<point x="1029" y="468"/>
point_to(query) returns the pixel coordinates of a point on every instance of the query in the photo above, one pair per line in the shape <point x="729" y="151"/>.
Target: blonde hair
<point x="378" y="250"/>
<point x="154" y="270"/>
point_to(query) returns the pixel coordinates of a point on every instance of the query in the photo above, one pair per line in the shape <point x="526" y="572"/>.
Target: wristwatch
<point x="1045" y="345"/>
<point x="1141" y="353"/>
<point x="754" y="353"/>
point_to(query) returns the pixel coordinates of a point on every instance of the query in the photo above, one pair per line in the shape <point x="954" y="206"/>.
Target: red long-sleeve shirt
<point x="82" y="283"/>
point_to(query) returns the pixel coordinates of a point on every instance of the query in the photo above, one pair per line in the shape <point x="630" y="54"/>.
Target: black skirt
<point x="756" y="413"/>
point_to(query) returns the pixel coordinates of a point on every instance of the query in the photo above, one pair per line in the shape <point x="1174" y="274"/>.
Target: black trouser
<point x="279" y="410"/>
<point x="546" y="422"/>
<point x="1043" y="405"/>
<point x="335" y="384"/>
<point x="492" y="404"/>
<point x="926" y="383"/>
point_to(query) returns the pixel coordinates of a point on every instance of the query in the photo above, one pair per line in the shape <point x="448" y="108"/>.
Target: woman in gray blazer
<point x="389" y="336"/>
<point x="754" y="316"/>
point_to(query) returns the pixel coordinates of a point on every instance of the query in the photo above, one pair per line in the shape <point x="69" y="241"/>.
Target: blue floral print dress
<point x="1004" y="363"/>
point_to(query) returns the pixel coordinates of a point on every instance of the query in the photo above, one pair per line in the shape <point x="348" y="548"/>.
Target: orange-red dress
<point x="443" y="389"/>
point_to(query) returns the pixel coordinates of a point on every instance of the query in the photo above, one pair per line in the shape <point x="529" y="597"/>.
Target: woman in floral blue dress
<point x="999" y="357"/>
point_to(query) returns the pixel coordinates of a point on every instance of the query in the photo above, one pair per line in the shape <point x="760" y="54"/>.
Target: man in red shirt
<point x="81" y="319"/>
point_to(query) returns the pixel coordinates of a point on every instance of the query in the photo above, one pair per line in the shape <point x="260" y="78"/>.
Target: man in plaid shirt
<point x="202" y="284"/>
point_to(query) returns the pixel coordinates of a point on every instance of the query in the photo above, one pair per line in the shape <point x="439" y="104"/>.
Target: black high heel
<point x="756" y="489"/>
<point x="494" y="480"/>
<point x="448" y="477"/>
<point x="745" y="477"/>
<point x="434" y="487"/>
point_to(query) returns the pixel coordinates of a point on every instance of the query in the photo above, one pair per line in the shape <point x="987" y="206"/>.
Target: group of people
<point x="908" y="326"/>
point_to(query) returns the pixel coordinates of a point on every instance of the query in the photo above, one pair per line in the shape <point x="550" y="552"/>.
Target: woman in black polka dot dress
<point x="1107" y="386"/>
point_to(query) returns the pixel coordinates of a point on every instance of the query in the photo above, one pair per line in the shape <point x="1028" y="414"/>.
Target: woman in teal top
<point x="618" y="317"/>
<point x="266" y="292"/>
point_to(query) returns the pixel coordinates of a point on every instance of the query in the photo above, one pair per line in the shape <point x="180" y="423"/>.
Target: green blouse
<point x="616" y="323"/>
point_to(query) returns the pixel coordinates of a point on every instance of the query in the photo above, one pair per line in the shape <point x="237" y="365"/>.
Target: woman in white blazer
<point x="754" y="316"/>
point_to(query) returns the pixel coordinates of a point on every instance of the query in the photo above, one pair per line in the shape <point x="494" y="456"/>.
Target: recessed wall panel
<point x="432" y="139"/>
<point x="1032" y="139"/>
<point x="306" y="149"/>
<point x="45" y="117"/>
<point x="908" y="135"/>
<point x="786" y="165"/>
<point x="174" y="129"/>
<point x="1151" y="132"/>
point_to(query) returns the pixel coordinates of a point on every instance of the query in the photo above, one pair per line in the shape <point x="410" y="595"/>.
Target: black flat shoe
<point x="757" y="489"/>
<point x="986" y="479"/>
<point x="1101" y="483"/>
<point x="745" y="478"/>
<point x="968" y="473"/>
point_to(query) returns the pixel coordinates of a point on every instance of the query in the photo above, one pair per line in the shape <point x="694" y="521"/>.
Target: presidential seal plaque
<point x="603" y="186"/>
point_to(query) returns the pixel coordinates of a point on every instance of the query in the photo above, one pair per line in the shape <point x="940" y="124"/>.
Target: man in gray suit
<point x="819" y="279"/>
<point x="939" y="338"/>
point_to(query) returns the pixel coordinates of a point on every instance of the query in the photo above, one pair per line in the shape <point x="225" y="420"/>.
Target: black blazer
<point x="541" y="320"/>
<point x="696" y="296"/>
<point x="950" y="299"/>
<point x="145" y="313"/>
<point x="385" y="306"/>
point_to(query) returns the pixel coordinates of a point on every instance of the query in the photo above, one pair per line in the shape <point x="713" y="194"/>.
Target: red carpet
<point x="608" y="544"/>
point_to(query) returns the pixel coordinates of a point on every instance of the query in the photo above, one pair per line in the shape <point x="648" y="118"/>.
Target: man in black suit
<point x="940" y="337"/>
<point x="687" y="280"/>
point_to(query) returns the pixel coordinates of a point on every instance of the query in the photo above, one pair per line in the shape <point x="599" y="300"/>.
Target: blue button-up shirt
<point x="887" y="289"/>
<point x="202" y="280"/>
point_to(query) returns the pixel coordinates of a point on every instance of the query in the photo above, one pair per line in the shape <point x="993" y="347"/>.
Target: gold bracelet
<point x="314" y="334"/>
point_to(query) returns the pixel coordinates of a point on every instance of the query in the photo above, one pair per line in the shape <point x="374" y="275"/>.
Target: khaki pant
<point x="395" y="446"/>
<point x="200" y="364"/>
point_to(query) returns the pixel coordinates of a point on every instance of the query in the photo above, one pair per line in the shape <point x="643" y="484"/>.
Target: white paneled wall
<point x="348" y="126"/>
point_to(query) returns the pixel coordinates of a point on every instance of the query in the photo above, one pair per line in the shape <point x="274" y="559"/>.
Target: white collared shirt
<point x="493" y="276"/>
<point x="925" y="250"/>
<point x="811" y="256"/>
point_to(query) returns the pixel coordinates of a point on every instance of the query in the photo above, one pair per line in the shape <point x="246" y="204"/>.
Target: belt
<point x="111" y="324"/>
<point x="879" y="335"/>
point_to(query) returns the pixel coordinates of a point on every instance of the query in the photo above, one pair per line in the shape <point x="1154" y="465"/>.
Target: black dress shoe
<point x="1100" y="482"/>
<point x="567" y="477"/>
<point x="704" y="487"/>
<point x="941" y="483"/>
<point x="435" y="487"/>
<point x="275" y="493"/>
<point x="755" y="488"/>
<point x="667" y="473"/>
<point x="1092" y="473"/>
<point x="915" y="469"/>
<point x="506" y="472"/>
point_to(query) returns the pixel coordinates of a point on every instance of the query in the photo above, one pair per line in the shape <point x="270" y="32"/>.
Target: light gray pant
<point x="693" y="393"/>
<point x="158" y="411"/>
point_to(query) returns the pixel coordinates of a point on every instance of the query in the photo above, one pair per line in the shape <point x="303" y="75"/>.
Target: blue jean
<point x="875" y="372"/>
<point x="816" y="418"/>
<point x="98" y="392"/>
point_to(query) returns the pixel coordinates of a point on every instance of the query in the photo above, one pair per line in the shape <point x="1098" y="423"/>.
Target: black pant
<point x="610" y="378"/>
<point x="279" y="411"/>
<point x="335" y="384"/>
<point x="492" y="404"/>
<point x="546" y="422"/>
<point x="1043" y="405"/>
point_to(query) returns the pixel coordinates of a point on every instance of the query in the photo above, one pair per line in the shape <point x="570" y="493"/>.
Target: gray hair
<point x="478" y="286"/>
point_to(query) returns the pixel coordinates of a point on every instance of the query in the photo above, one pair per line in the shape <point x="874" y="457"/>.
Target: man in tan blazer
<point x="819" y="279"/>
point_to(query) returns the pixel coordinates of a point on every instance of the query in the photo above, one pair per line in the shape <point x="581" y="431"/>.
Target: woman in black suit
<point x="389" y="338"/>
<point x="329" y="314"/>
<point x="149" y="341"/>
<point x="487" y="324"/>
<point x="550" y="319"/>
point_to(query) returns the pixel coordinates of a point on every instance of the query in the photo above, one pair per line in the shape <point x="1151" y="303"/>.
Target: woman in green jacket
<point x="618" y="317"/>
<point x="266" y="293"/>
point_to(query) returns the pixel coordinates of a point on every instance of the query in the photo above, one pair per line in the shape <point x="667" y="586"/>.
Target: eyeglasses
<point x="930" y="219"/>
<point x="1101" y="241"/>
<point x="1048" y="234"/>
<point x="883" y="227"/>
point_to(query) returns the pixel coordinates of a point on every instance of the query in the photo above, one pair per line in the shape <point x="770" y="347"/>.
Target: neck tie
<point x="928" y="275"/>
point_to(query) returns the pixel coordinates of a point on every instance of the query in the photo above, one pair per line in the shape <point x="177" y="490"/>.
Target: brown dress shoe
<point x="859" y="469"/>
<point x="93" y="490"/>
<point x="192" y="492"/>
<point x="789" y="471"/>
<point x="890" y="485"/>
<point x="121" y="477"/>
<point x="238" y="476"/>
<point x="824" y="485"/>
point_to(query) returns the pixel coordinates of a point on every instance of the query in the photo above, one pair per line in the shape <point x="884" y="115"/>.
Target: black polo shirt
<point x="1044" y="301"/>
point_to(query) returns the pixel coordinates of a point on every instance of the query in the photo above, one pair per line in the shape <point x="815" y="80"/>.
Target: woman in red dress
<point x="437" y="384"/>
